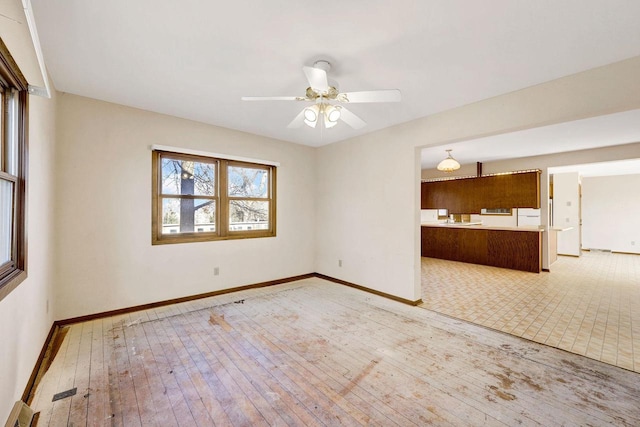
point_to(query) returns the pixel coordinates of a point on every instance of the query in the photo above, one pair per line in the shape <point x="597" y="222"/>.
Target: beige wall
<point x="386" y="200"/>
<point x="26" y="314"/>
<point x="610" y="206"/>
<point x="14" y="31"/>
<point x="366" y="212"/>
<point x="103" y="211"/>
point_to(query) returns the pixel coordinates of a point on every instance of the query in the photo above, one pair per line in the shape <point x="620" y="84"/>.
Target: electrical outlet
<point x="633" y="242"/>
<point x="216" y="271"/>
<point x="339" y="263"/>
<point x="48" y="300"/>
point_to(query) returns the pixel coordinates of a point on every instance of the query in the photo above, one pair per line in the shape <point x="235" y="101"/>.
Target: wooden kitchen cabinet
<point x="470" y="195"/>
<point x="474" y="197"/>
<point x="452" y="195"/>
<point x="455" y="244"/>
<point x="518" y="250"/>
<point x="519" y="190"/>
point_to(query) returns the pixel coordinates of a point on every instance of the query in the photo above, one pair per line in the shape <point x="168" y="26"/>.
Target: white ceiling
<point x="196" y="58"/>
<point x="609" y="130"/>
<point x="619" y="167"/>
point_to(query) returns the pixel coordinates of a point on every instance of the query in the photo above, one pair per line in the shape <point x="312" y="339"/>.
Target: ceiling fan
<point x="327" y="100"/>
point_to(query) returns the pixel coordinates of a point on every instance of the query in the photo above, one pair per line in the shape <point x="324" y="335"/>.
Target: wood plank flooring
<point x="314" y="353"/>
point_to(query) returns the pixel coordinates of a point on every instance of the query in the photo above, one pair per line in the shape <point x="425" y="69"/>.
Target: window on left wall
<point x="13" y="173"/>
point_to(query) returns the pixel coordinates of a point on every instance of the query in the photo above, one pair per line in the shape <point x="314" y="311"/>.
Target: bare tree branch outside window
<point x="217" y="198"/>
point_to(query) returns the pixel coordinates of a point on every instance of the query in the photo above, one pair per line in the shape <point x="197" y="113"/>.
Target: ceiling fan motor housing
<point x="322" y="64"/>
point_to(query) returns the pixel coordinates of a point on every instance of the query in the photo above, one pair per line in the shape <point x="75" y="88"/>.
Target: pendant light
<point x="449" y="164"/>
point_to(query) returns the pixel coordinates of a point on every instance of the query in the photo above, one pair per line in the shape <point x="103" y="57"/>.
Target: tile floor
<point x="588" y="305"/>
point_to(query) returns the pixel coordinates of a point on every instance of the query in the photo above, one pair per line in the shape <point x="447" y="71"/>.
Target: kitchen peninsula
<point x="508" y="247"/>
<point x="518" y="248"/>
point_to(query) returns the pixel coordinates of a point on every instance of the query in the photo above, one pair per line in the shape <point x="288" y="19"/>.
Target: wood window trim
<point x="12" y="77"/>
<point x="222" y="201"/>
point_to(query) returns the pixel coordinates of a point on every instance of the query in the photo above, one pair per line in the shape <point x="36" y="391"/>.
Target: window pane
<point x="184" y="177"/>
<point x="13" y="182"/>
<point x="2" y="109"/>
<point x="6" y="220"/>
<point x="12" y="131"/>
<point x="248" y="182"/>
<point x="248" y="215"/>
<point x="188" y="216"/>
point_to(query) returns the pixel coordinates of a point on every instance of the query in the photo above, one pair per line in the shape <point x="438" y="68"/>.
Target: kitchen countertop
<point x="481" y="227"/>
<point x="561" y="228"/>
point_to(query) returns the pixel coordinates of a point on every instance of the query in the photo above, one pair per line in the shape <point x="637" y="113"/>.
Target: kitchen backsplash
<point x="431" y="215"/>
<point x="497" y="220"/>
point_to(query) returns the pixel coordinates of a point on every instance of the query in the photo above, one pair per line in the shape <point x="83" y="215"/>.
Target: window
<point x="13" y="161"/>
<point x="198" y="198"/>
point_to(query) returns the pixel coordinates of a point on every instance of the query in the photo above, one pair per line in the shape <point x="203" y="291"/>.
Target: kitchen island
<point x="517" y="248"/>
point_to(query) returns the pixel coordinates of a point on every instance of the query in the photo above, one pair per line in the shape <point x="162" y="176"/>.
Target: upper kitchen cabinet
<point x="453" y="195"/>
<point x="470" y="195"/>
<point x="444" y="194"/>
<point x="517" y="190"/>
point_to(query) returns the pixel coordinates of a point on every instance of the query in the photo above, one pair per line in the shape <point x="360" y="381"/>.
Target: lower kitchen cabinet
<point x="517" y="250"/>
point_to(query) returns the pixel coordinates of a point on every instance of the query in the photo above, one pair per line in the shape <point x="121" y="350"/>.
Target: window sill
<point x="11" y="282"/>
<point x="200" y="238"/>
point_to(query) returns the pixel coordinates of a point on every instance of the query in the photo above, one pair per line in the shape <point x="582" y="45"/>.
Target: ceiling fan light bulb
<point x="329" y="124"/>
<point x="310" y="114"/>
<point x="333" y="114"/>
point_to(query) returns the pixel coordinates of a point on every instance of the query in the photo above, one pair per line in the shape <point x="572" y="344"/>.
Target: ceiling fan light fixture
<point x="328" y="123"/>
<point x="449" y="164"/>
<point x="332" y="113"/>
<point x="311" y="115"/>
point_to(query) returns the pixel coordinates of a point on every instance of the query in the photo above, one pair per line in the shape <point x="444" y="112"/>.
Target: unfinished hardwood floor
<point x="316" y="353"/>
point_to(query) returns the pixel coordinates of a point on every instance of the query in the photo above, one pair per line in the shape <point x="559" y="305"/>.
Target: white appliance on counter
<point x="428" y="215"/>
<point x="528" y="217"/>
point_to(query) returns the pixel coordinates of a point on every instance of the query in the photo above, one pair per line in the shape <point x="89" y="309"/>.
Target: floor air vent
<point x="63" y="394"/>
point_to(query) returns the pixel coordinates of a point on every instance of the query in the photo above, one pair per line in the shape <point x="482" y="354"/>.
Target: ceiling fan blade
<point x="317" y="79"/>
<point x="387" y="95"/>
<point x="270" y="98"/>
<point x="298" y="121"/>
<point x="351" y="119"/>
